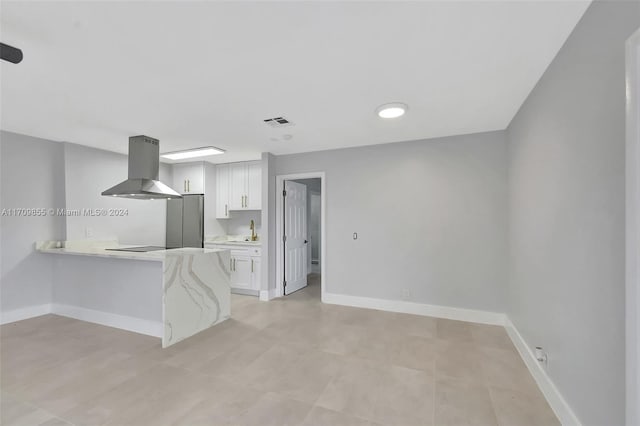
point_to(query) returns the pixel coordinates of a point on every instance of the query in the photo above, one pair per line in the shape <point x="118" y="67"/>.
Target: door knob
<point x="305" y="241"/>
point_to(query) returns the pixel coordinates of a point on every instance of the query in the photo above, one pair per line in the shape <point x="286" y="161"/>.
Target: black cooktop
<point x="138" y="249"/>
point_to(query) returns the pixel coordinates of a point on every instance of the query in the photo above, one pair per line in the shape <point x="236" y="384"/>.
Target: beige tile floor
<point x="293" y="361"/>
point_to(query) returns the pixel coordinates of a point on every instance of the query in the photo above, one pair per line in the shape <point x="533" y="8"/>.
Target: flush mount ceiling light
<point x="192" y="153"/>
<point x="392" y="110"/>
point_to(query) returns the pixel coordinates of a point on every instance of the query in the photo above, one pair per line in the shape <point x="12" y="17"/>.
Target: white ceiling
<point x="207" y="73"/>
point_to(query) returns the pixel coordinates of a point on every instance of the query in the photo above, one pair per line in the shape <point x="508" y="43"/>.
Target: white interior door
<point x="295" y="232"/>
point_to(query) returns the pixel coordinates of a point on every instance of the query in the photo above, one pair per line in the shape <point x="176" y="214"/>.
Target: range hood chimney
<point x="144" y="166"/>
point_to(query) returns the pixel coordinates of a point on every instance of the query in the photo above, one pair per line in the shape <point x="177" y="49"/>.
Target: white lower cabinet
<point x="240" y="270"/>
<point x="244" y="266"/>
<point x="255" y="272"/>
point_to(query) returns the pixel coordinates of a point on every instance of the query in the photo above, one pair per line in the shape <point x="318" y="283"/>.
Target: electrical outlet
<point x="88" y="232"/>
<point x="406" y="294"/>
<point x="541" y="356"/>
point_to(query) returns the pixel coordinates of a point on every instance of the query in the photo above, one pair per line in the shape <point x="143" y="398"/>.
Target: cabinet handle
<point x="188" y="185"/>
<point x="184" y="185"/>
<point x="234" y="263"/>
<point x="230" y="264"/>
<point x="252" y="266"/>
<point x="226" y="211"/>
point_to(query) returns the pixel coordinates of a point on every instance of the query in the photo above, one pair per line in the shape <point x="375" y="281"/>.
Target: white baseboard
<point x="558" y="404"/>
<point x="137" y="325"/>
<point x="266" y="295"/>
<point x="460" y="314"/>
<point x="24" y="313"/>
<point x="245" y="292"/>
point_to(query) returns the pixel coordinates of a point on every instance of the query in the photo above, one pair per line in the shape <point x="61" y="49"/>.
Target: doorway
<point x="300" y="236"/>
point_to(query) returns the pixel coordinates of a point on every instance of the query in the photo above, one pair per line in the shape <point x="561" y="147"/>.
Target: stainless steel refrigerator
<point x="185" y="221"/>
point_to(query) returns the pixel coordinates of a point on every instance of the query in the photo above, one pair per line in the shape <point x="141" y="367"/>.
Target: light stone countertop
<point x="231" y="240"/>
<point x="158" y="256"/>
<point x="236" y="243"/>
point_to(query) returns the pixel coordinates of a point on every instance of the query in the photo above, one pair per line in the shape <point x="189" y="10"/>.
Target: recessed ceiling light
<point x="192" y="153"/>
<point x="392" y="110"/>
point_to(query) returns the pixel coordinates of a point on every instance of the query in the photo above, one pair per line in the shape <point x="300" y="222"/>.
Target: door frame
<point x="280" y="179"/>
<point x="317" y="194"/>
<point x="632" y="229"/>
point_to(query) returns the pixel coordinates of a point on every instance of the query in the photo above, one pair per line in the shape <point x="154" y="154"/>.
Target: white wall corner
<point x="24" y="313"/>
<point x="460" y="314"/>
<point x="266" y="295"/>
<point x="555" y="399"/>
<point x="633" y="230"/>
<point x="136" y="325"/>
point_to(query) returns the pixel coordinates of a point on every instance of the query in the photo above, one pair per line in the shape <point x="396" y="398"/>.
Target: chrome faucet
<point x="252" y="226"/>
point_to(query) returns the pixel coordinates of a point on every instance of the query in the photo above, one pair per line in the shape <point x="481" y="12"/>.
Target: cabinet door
<point x="255" y="272"/>
<point x="241" y="272"/>
<point x="189" y="178"/>
<point x="180" y="178"/>
<point x="222" y="191"/>
<point x="195" y="178"/>
<point x="238" y="188"/>
<point x="254" y="185"/>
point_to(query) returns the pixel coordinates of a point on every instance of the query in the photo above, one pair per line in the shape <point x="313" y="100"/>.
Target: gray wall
<point x="566" y="169"/>
<point x="238" y="223"/>
<point x="39" y="173"/>
<point x="90" y="171"/>
<point x="268" y="280"/>
<point x="109" y="285"/>
<point x="31" y="176"/>
<point x="430" y="215"/>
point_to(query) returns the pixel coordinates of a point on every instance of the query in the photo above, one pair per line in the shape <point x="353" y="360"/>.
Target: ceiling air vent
<point x="278" y="122"/>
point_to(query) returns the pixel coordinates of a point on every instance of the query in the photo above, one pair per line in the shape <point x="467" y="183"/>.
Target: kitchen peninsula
<point x="172" y="294"/>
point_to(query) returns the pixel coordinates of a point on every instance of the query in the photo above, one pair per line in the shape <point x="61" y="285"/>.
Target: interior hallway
<point x="290" y="361"/>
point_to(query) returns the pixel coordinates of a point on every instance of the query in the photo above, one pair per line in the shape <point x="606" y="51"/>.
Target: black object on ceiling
<point x="10" y="53"/>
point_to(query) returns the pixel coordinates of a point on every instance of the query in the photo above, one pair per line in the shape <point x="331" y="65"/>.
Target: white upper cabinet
<point x="222" y="191"/>
<point x="254" y="185"/>
<point x="188" y="178"/>
<point x="238" y="187"/>
<point x="244" y="185"/>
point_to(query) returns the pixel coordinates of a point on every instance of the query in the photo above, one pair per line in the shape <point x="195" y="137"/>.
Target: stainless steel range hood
<point x="144" y="166"/>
